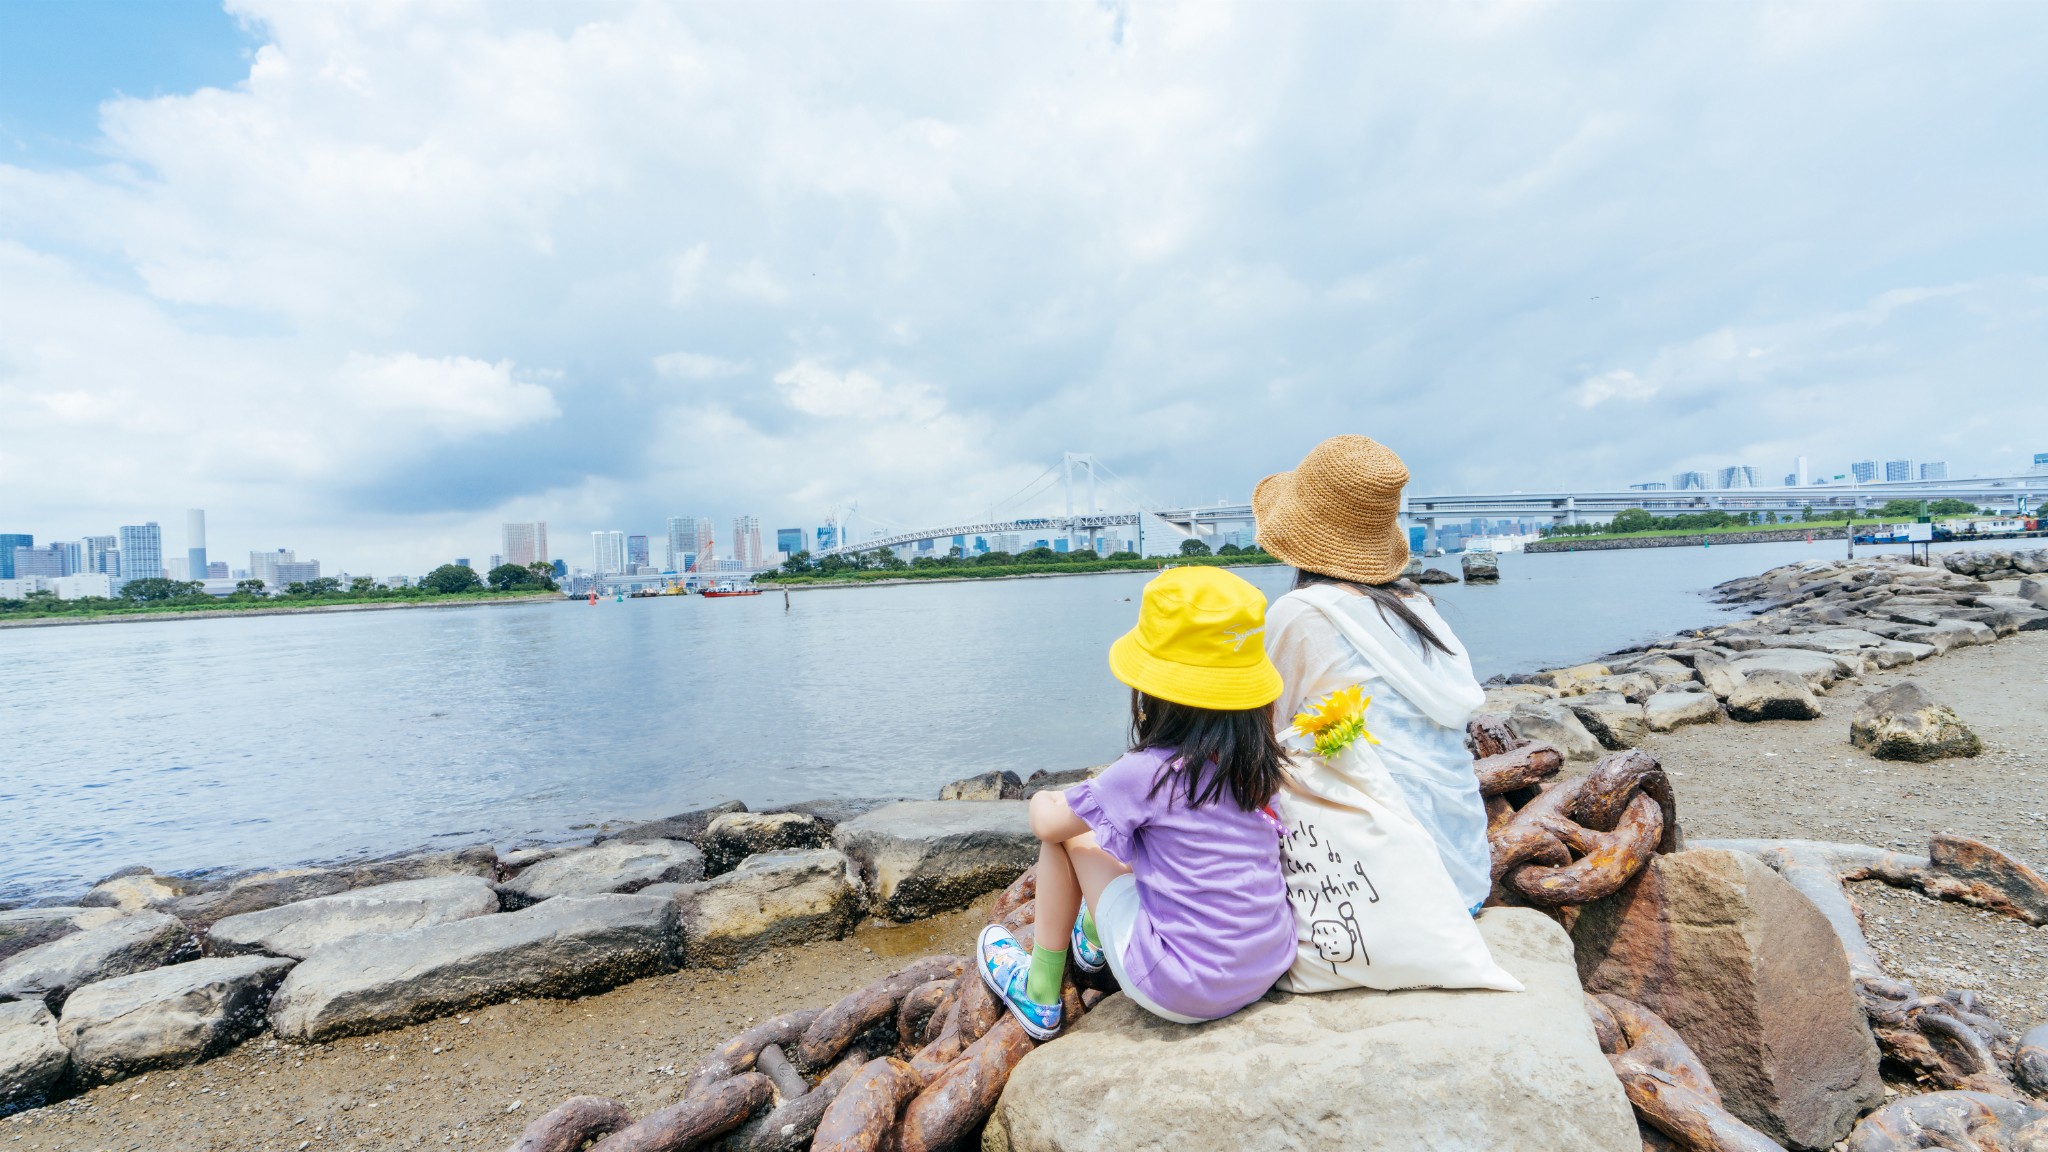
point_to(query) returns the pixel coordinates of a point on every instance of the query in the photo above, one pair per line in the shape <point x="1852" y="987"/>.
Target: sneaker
<point x="1004" y="968"/>
<point x="1087" y="957"/>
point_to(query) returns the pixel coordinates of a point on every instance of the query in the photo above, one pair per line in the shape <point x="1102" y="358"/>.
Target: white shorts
<point x="1116" y="915"/>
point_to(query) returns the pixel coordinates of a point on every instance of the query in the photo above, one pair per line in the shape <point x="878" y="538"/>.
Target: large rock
<point x="1046" y="781"/>
<point x="1903" y="722"/>
<point x="1945" y="635"/>
<point x="924" y="857"/>
<point x="682" y="826"/>
<point x="24" y="928"/>
<point x="769" y="901"/>
<point x="735" y="836"/>
<point x="1769" y="694"/>
<point x="31" y="1055"/>
<point x="567" y="946"/>
<point x="1563" y="679"/>
<point x="1439" y="576"/>
<point x="1480" y="567"/>
<point x="137" y="890"/>
<point x="1820" y="670"/>
<point x="2034" y="592"/>
<point x="1634" y="686"/>
<point x="990" y="785"/>
<point x="1673" y="708"/>
<point x="295" y="930"/>
<point x="291" y="885"/>
<point x="1611" y="718"/>
<point x="167" y="1018"/>
<point x="1750" y="974"/>
<point x="614" y="866"/>
<point x="53" y="971"/>
<point x="838" y="810"/>
<point x="1550" y="722"/>
<point x="1359" y="1070"/>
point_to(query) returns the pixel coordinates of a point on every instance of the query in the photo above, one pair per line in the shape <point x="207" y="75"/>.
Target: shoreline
<point x="900" y="581"/>
<point x="282" y="610"/>
<point x="1686" y="540"/>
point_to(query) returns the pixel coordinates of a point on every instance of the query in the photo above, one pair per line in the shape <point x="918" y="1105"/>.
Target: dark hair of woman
<point x="1212" y="751"/>
<point x="1389" y="599"/>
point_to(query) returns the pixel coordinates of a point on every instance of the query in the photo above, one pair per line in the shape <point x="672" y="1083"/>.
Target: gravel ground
<point x="472" y="1081"/>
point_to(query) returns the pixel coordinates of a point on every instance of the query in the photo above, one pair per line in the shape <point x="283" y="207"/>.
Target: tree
<point x="798" y="564"/>
<point x="995" y="558"/>
<point x="542" y="576"/>
<point x="1806" y="513"/>
<point x="1125" y="556"/>
<point x="1082" y="555"/>
<point x="249" y="587"/>
<point x="1038" y="555"/>
<point x="1193" y="548"/>
<point x="1228" y="550"/>
<point x="451" y="578"/>
<point x="362" y="585"/>
<point x="1952" y="507"/>
<point x="1632" y="520"/>
<point x="157" y="589"/>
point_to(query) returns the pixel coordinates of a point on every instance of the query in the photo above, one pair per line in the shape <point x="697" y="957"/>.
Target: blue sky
<point x="364" y="280"/>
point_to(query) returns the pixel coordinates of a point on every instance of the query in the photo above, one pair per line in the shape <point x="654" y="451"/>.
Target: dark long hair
<point x="1212" y="751"/>
<point x="1390" y="599"/>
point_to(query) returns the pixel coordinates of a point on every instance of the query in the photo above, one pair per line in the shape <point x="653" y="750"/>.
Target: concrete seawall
<point x="1689" y="540"/>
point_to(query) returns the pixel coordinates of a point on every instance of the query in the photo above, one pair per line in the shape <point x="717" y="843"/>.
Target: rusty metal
<point x="699" y="1119"/>
<point x="1666" y="1083"/>
<point x="1966" y="1121"/>
<point x="572" y="1124"/>
<point x="865" y="1112"/>
<point x="1582" y="839"/>
<point x="864" y="1008"/>
<point x="1517" y="768"/>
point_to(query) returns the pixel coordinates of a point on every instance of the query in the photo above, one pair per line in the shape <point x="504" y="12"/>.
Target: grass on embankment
<point x="1724" y="530"/>
<point x="967" y="570"/>
<point x="42" y="610"/>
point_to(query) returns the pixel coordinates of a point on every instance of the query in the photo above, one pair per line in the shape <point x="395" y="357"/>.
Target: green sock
<point x="1088" y="928"/>
<point x="1048" y="967"/>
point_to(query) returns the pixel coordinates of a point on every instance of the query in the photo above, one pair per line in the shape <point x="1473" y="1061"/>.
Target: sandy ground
<point x="474" y="1081"/>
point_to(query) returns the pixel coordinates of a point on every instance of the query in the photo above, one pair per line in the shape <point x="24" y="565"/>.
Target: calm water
<point x="269" y="740"/>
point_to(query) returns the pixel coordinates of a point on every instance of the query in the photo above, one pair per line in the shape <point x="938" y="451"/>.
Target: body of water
<point x="262" y="741"/>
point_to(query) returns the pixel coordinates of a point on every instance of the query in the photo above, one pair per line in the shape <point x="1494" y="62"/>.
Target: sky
<point x="366" y="280"/>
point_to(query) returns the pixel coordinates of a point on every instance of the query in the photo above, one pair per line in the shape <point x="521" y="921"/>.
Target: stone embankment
<point x="1686" y="540"/>
<point x="1735" y="1002"/>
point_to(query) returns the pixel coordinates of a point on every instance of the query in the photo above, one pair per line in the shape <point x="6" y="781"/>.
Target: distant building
<point x="195" y="543"/>
<point x="1739" y="476"/>
<point x="217" y="570"/>
<point x="100" y="554"/>
<point x="263" y="566"/>
<point x="1799" y="473"/>
<point x="1652" y="486"/>
<point x="19" y="587"/>
<point x="45" y="561"/>
<point x="636" y="553"/>
<point x="80" y="585"/>
<point x="608" y="553"/>
<point x="526" y="542"/>
<point x="496" y="560"/>
<point x="746" y="543"/>
<point x="827" y="536"/>
<point x="1686" y="480"/>
<point x="789" y="541"/>
<point x="1898" y="470"/>
<point x="1865" y="471"/>
<point x="2040" y="465"/>
<point x="690" y="543"/>
<point x="291" y="572"/>
<point x="1934" y="470"/>
<point x="142" y="551"/>
<point x="9" y="541"/>
<point x="178" y="568"/>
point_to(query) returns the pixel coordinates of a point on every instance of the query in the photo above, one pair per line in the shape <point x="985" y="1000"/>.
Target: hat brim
<point x="1295" y="534"/>
<point x="1218" y="689"/>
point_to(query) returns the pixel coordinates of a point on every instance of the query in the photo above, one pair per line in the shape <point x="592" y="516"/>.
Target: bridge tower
<point x="1072" y="461"/>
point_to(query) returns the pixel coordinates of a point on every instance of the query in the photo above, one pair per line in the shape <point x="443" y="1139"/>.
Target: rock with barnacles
<point x="1904" y="722"/>
<point x="1772" y="695"/>
<point x="1480" y="567"/>
<point x="923" y="857"/>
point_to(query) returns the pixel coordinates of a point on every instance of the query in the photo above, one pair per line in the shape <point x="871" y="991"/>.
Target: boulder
<point x="1769" y="694"/>
<point x="987" y="786"/>
<point x="923" y="857"/>
<point x="735" y="836"/>
<point x="295" y="930"/>
<point x="1820" y="670"/>
<point x="1666" y="672"/>
<point x="1550" y="722"/>
<point x="24" y="928"/>
<point x="1466" y="1071"/>
<point x="1480" y="567"/>
<point x="1060" y="781"/>
<point x="567" y="946"/>
<point x="31" y="1056"/>
<point x="291" y="885"/>
<point x="1749" y="972"/>
<point x="1635" y="686"/>
<point x="1903" y="722"/>
<point x="1899" y="653"/>
<point x="614" y="866"/>
<point x="2034" y="592"/>
<point x="1672" y="709"/>
<point x="1563" y="678"/>
<point x="835" y="812"/>
<point x="1413" y="568"/>
<point x="53" y="971"/>
<point x="1948" y="634"/>
<point x="1439" y="576"/>
<point x="1611" y="718"/>
<point x="683" y="826"/>
<point x="770" y="901"/>
<point x="137" y="890"/>
<point x="167" y="1018"/>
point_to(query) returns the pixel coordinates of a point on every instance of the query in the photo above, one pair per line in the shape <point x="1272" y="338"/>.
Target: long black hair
<point x="1212" y="751"/>
<point x="1390" y="598"/>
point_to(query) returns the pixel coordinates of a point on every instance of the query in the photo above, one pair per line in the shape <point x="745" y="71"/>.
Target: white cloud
<point x="452" y="396"/>
<point x="697" y="366"/>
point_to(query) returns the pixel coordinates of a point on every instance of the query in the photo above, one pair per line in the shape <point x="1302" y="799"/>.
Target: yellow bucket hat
<point x="1199" y="642"/>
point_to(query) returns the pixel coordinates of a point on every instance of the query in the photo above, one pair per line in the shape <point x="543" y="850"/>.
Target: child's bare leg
<point x="1093" y="868"/>
<point x="1059" y="894"/>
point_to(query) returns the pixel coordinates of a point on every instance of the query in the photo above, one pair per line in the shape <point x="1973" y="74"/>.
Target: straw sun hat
<point x="1334" y="514"/>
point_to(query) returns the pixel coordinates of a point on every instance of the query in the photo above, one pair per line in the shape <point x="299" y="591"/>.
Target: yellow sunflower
<point x="1336" y="722"/>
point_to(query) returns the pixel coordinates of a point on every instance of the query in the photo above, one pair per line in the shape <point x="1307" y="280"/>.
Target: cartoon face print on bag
<point x="1338" y="941"/>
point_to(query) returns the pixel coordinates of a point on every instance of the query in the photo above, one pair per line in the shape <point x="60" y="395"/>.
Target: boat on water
<point x="729" y="590"/>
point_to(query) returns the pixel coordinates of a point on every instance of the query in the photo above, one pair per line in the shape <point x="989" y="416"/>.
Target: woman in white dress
<point x="1352" y="620"/>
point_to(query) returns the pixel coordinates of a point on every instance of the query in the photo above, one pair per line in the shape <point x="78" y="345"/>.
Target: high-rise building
<point x="45" y="561"/>
<point x="142" y="551"/>
<point x="636" y="553"/>
<point x="100" y="554"/>
<point x="789" y="541"/>
<point x="2040" y="462"/>
<point x="195" y="543"/>
<point x="1738" y="476"/>
<point x="9" y="541"/>
<point x="1895" y="470"/>
<point x="746" y="543"/>
<point x="1686" y="480"/>
<point x="291" y="572"/>
<point x="1652" y="486"/>
<point x="263" y="566"/>
<point x="1934" y="470"/>
<point x="827" y="536"/>
<point x="690" y="544"/>
<point x="496" y="561"/>
<point x="216" y="569"/>
<point x="1799" y="473"/>
<point x="608" y="553"/>
<point x="1864" y="471"/>
<point x="526" y="542"/>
